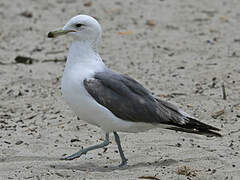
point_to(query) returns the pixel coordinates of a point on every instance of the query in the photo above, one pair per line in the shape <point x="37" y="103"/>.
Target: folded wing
<point x="129" y="100"/>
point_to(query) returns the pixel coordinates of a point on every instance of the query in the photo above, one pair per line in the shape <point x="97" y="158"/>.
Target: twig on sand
<point x="148" y="177"/>
<point x="224" y="92"/>
<point x="29" y="60"/>
<point x="217" y="114"/>
<point x="55" y="60"/>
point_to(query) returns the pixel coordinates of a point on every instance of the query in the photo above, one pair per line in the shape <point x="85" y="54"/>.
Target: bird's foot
<point x="123" y="163"/>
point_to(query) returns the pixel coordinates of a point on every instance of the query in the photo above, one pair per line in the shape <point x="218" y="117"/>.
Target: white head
<point x="82" y="28"/>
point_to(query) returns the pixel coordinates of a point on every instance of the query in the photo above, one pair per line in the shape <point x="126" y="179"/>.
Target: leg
<point x="85" y="150"/>
<point x="117" y="139"/>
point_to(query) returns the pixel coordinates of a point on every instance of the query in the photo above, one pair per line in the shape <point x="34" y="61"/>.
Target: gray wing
<point x="129" y="100"/>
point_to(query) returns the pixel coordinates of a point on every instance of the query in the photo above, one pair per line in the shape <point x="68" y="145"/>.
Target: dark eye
<point x="78" y="25"/>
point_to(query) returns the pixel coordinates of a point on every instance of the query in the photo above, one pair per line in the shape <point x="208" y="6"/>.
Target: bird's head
<point x="81" y="28"/>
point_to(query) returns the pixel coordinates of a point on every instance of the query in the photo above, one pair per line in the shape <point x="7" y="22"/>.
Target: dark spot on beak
<point x="50" y="35"/>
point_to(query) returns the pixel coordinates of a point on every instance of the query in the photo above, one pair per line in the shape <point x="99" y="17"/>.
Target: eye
<point x="78" y="25"/>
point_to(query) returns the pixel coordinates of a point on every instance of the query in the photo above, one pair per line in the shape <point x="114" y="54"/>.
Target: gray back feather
<point x="130" y="101"/>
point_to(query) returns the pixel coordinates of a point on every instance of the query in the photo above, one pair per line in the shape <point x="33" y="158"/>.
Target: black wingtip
<point x="207" y="133"/>
<point x="195" y="124"/>
<point x="196" y="127"/>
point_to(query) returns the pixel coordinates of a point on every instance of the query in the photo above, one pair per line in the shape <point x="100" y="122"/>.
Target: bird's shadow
<point x="91" y="167"/>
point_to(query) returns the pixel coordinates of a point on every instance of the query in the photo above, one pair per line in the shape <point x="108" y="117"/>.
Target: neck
<point x="83" y="52"/>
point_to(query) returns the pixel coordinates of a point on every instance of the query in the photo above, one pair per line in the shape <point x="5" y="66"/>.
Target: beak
<point x="53" y="34"/>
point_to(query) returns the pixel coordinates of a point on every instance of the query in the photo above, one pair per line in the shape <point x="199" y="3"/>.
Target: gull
<point x="114" y="102"/>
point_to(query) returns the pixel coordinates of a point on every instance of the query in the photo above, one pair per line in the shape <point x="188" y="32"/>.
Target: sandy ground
<point x="183" y="51"/>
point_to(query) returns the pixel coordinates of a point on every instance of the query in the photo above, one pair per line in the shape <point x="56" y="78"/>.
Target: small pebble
<point x="27" y="14"/>
<point x="19" y="142"/>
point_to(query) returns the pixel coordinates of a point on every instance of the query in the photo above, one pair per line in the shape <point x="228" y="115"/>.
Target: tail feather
<point x="197" y="127"/>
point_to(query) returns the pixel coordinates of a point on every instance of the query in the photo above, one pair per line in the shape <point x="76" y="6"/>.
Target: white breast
<point x="76" y="95"/>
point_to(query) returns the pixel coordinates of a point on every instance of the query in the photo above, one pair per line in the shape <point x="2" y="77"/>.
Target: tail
<point x="181" y="121"/>
<point x="196" y="127"/>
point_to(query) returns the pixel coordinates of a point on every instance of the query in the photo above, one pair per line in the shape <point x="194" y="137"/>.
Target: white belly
<point x="88" y="109"/>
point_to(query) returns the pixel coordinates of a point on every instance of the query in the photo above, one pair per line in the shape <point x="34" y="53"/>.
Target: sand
<point x="183" y="51"/>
